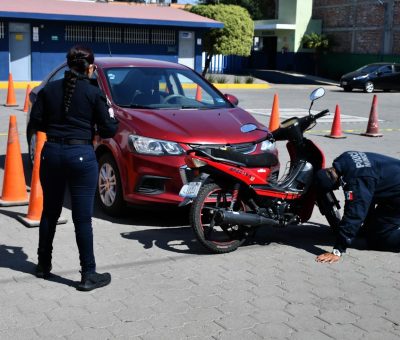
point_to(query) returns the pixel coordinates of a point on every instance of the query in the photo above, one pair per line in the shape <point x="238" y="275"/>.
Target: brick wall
<point x="357" y="26"/>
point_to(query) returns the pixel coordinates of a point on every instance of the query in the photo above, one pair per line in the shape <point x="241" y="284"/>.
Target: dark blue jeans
<point x="74" y="166"/>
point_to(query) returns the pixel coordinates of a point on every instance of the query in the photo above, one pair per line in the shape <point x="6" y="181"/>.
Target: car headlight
<point x="267" y="145"/>
<point x="151" y="146"/>
<point x="361" y="77"/>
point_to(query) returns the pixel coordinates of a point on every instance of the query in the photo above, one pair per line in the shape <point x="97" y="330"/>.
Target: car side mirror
<point x="232" y="99"/>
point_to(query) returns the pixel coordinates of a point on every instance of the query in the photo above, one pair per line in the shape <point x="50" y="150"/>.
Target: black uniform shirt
<point x="88" y="108"/>
<point x="368" y="177"/>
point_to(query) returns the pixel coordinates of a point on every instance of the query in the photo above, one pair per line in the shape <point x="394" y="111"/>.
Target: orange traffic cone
<point x="336" y="131"/>
<point x="26" y="105"/>
<point x="11" y="101"/>
<point x="14" y="186"/>
<point x="199" y="94"/>
<point x="373" y="128"/>
<point x="32" y="219"/>
<point x="274" y="122"/>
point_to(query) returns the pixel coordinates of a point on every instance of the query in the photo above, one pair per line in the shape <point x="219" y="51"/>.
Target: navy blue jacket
<point x="88" y="109"/>
<point x="369" y="178"/>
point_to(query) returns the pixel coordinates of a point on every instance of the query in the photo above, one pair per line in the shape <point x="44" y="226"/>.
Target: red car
<point x="164" y="110"/>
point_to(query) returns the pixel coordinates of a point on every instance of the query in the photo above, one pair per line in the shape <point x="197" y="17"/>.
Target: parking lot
<point x="165" y="286"/>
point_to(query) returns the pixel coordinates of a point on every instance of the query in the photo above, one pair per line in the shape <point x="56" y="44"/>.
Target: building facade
<point x="35" y="35"/>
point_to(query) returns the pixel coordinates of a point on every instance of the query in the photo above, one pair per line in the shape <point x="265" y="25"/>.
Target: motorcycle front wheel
<point x="329" y="207"/>
<point x="216" y="238"/>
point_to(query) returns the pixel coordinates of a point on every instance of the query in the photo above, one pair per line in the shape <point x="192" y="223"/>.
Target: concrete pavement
<point x="165" y="286"/>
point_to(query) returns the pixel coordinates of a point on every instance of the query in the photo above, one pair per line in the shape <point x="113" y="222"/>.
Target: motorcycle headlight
<point x="151" y="146"/>
<point x="267" y="145"/>
<point x="361" y="77"/>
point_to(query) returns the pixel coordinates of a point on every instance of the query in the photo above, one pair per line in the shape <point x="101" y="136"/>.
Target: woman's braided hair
<point x="78" y="59"/>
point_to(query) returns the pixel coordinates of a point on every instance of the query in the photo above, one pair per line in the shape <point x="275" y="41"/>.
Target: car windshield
<point x="162" y="88"/>
<point x="369" y="68"/>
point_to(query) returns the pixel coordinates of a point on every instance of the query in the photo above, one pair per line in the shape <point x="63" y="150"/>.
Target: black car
<point x="382" y="76"/>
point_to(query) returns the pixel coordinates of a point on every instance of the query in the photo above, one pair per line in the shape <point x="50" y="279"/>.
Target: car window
<point x="386" y="69"/>
<point x="396" y="68"/>
<point x="368" y="68"/>
<point x="162" y="88"/>
<point x="59" y="74"/>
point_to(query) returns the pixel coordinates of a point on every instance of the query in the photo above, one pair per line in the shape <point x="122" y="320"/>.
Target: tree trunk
<point x="207" y="63"/>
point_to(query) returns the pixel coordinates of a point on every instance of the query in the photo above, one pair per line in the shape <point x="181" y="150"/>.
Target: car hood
<point x="351" y="75"/>
<point x="217" y="126"/>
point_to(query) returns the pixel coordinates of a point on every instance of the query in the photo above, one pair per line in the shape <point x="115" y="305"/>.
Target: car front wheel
<point x="369" y="87"/>
<point x="109" y="188"/>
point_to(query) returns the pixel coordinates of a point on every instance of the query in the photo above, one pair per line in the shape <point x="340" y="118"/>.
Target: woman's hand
<point x="327" y="258"/>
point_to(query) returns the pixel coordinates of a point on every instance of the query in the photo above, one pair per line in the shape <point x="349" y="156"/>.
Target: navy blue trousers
<point x="382" y="226"/>
<point x="75" y="167"/>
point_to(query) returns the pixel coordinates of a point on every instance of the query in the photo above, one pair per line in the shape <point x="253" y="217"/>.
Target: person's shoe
<point x="94" y="280"/>
<point x="42" y="271"/>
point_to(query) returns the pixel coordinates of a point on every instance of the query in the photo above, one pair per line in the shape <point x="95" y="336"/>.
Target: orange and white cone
<point x="336" y="131"/>
<point x="373" y="127"/>
<point x="14" y="185"/>
<point x="274" y="121"/>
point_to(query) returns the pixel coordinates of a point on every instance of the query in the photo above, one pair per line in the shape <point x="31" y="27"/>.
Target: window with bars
<point x="1" y="30"/>
<point x="163" y="37"/>
<point x="78" y="33"/>
<point x="136" y="35"/>
<point x="108" y="34"/>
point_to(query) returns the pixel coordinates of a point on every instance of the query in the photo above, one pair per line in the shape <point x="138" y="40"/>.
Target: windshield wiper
<point x="136" y="106"/>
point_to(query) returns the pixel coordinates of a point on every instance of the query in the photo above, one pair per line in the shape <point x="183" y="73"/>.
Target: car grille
<point x="242" y="148"/>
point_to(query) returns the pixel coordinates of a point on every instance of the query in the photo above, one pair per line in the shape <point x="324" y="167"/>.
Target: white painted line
<point x="287" y="113"/>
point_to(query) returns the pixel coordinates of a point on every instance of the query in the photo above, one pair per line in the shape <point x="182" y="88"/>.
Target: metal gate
<point x="20" y="51"/>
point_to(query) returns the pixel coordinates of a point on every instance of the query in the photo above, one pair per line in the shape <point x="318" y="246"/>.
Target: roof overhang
<point x="112" y="13"/>
<point x="274" y="27"/>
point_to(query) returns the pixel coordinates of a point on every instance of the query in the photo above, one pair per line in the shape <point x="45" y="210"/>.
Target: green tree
<point x="236" y="38"/>
<point x="258" y="9"/>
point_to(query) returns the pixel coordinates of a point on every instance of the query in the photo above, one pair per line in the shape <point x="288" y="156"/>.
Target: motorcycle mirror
<point x="248" y="127"/>
<point x="317" y="93"/>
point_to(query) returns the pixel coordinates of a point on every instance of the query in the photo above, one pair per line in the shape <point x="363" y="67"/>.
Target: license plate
<point x="190" y="190"/>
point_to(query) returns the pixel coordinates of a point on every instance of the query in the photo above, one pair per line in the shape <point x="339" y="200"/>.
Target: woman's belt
<point x="68" y="141"/>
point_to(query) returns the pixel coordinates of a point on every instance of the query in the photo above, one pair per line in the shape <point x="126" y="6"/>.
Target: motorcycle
<point x="233" y="194"/>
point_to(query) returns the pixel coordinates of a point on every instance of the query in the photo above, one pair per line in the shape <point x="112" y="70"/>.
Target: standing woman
<point x="68" y="110"/>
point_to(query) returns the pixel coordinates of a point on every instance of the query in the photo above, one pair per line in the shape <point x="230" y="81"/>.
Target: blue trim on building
<point x="129" y="21"/>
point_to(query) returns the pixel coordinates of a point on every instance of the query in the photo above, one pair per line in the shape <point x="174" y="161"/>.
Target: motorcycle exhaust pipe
<point x="241" y="217"/>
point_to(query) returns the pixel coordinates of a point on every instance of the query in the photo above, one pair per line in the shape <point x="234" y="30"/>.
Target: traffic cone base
<point x="336" y="131"/>
<point x="27" y="222"/>
<point x="4" y="203"/>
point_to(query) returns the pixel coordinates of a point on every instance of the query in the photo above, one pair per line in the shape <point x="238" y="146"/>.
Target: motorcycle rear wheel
<point x="216" y="238"/>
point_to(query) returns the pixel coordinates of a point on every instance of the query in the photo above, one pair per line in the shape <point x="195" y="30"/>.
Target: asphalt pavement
<point x="164" y="284"/>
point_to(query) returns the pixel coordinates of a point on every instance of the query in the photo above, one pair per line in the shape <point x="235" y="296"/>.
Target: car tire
<point x="369" y="87"/>
<point x="347" y="89"/>
<point x="109" y="188"/>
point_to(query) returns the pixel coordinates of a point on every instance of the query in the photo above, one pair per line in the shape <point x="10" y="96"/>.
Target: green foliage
<point x="318" y="42"/>
<point x="258" y="9"/>
<point x="221" y="80"/>
<point x="211" y="78"/>
<point x="236" y="38"/>
<point x="237" y="80"/>
<point x="249" y="80"/>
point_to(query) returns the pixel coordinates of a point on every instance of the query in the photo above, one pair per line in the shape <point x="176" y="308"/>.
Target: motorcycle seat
<point x="266" y="159"/>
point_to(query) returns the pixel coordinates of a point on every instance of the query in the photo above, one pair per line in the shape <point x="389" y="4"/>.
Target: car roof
<point x="382" y="64"/>
<point x="106" y="62"/>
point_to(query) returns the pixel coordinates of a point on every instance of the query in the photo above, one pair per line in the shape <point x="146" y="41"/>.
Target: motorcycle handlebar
<point x="321" y="114"/>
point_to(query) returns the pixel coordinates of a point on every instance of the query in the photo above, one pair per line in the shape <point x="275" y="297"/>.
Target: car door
<point x="384" y="77"/>
<point x="395" y="83"/>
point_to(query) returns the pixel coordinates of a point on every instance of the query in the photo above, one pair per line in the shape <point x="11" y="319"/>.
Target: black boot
<point x="94" y="280"/>
<point x="43" y="271"/>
